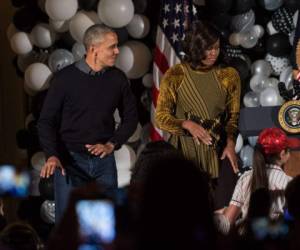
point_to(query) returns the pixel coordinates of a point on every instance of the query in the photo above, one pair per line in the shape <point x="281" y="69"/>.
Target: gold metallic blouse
<point x="172" y="81"/>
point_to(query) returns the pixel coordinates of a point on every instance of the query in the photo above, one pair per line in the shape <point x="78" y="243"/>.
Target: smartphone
<point x="13" y="183"/>
<point x="97" y="222"/>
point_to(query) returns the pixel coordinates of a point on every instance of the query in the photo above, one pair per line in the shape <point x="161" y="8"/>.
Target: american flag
<point x="175" y="18"/>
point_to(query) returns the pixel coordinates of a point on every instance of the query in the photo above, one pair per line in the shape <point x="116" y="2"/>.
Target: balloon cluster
<point x="46" y="36"/>
<point x="258" y="37"/>
<point x="259" y="44"/>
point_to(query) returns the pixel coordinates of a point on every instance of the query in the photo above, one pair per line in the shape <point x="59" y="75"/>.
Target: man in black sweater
<point x="76" y="126"/>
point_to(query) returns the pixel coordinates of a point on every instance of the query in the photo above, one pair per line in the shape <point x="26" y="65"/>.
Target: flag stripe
<point x="175" y="17"/>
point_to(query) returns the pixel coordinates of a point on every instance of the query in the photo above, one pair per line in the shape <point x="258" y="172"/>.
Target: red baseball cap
<point x="274" y="140"/>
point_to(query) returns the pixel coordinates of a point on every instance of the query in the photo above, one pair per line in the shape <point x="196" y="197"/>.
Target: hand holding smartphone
<point x="96" y="219"/>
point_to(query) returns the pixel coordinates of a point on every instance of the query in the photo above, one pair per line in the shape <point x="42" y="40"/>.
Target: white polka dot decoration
<point x="282" y="20"/>
<point x="278" y="64"/>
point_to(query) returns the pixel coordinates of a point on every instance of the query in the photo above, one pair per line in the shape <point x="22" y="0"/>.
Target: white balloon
<point x="11" y="30"/>
<point x="252" y="140"/>
<point x="246" y="156"/>
<point x="272" y="82"/>
<point x="43" y="36"/>
<point x="81" y="22"/>
<point x="270" y="29"/>
<point x="134" y="59"/>
<point x="270" y="97"/>
<point x="286" y="76"/>
<point x="137" y="134"/>
<point x="235" y="39"/>
<point x="124" y="177"/>
<point x="295" y="18"/>
<point x="261" y="67"/>
<point x="139" y="26"/>
<point x="243" y="22"/>
<point x="272" y="4"/>
<point x="59" y="26"/>
<point x="38" y="160"/>
<point x="78" y="51"/>
<point x="61" y="10"/>
<point x="258" y="82"/>
<point x="248" y="40"/>
<point x="20" y="43"/>
<point x="37" y="76"/>
<point x="148" y="80"/>
<point x="251" y="99"/>
<point x="292" y="37"/>
<point x="239" y="143"/>
<point x="125" y="158"/>
<point x="116" y="13"/>
<point x="59" y="59"/>
<point x="258" y="30"/>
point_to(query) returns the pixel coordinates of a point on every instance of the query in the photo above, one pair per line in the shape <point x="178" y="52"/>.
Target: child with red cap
<point x="271" y="152"/>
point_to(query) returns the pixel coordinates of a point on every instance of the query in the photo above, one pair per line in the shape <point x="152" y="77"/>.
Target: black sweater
<point x="79" y="110"/>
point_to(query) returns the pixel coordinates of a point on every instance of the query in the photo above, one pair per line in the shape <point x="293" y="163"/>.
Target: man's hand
<point x="48" y="169"/>
<point x="198" y="132"/>
<point x="229" y="152"/>
<point x="100" y="149"/>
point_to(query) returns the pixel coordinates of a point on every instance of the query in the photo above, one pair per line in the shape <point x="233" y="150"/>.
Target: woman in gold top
<point x="199" y="103"/>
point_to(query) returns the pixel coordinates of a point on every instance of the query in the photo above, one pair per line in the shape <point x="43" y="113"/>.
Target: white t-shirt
<point x="278" y="181"/>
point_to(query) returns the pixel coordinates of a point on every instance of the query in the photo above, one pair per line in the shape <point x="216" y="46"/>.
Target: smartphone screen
<point x="96" y="219"/>
<point x="12" y="182"/>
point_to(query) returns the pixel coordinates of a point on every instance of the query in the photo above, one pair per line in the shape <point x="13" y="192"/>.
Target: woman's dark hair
<point x="259" y="176"/>
<point x="199" y="38"/>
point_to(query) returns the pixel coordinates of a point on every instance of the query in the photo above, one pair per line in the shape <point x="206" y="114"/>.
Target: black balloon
<point x="241" y="66"/>
<point x="225" y="33"/>
<point x="23" y="138"/>
<point x="19" y="72"/>
<point x="37" y="103"/>
<point x="18" y="3"/>
<point x="46" y="188"/>
<point x="292" y="4"/>
<point x="24" y="19"/>
<point x="221" y="20"/>
<point x="140" y="6"/>
<point x="66" y="41"/>
<point x="218" y="6"/>
<point x="122" y="34"/>
<point x="88" y="4"/>
<point x="262" y="16"/>
<point x="242" y="6"/>
<point x="278" y="45"/>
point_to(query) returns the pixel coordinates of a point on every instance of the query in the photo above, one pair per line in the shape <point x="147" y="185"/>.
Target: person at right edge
<point x="198" y="104"/>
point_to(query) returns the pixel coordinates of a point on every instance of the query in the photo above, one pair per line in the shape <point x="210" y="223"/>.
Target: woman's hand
<point x="229" y="152"/>
<point x="198" y="132"/>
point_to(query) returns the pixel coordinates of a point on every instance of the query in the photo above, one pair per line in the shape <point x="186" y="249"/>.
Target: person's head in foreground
<point x="272" y="147"/>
